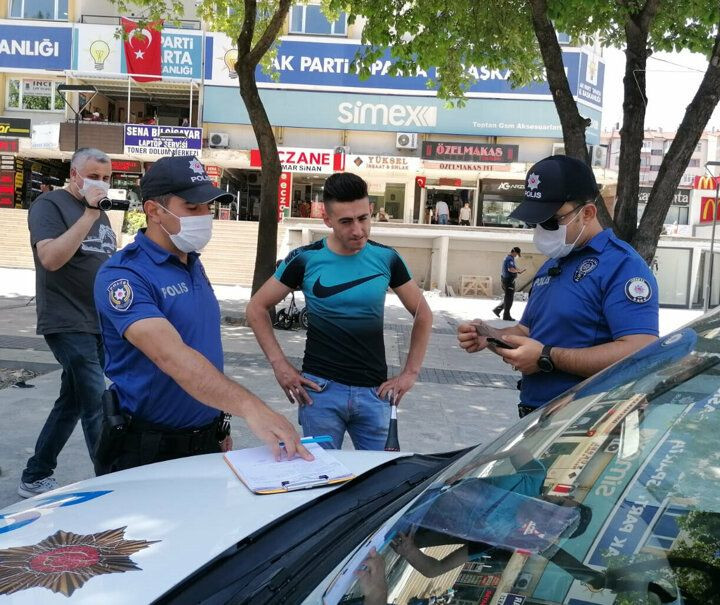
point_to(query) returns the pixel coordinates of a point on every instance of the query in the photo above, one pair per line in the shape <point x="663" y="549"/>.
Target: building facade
<point x="411" y="148"/>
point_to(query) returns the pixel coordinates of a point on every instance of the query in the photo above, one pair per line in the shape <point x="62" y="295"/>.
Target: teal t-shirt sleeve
<point x="291" y="271"/>
<point x="631" y="304"/>
<point x="122" y="297"/>
<point x="528" y="480"/>
<point x="399" y="272"/>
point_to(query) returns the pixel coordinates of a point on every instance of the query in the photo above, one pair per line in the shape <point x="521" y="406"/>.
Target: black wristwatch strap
<point x="545" y="362"/>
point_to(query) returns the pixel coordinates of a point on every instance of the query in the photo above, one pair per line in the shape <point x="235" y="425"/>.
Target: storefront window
<point x="496" y="211"/>
<point x="31" y="94"/>
<point x="39" y="9"/>
<point x="677" y="215"/>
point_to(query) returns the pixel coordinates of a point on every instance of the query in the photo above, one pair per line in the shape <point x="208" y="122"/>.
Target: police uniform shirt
<point x="144" y="281"/>
<point x="345" y="298"/>
<point x="604" y="291"/>
<point x="508" y="263"/>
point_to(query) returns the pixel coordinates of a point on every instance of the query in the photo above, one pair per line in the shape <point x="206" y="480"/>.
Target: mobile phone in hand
<point x="500" y="344"/>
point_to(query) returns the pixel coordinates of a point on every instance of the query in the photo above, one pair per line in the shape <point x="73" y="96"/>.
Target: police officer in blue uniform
<point x="507" y="279"/>
<point x="160" y="322"/>
<point x="592" y="303"/>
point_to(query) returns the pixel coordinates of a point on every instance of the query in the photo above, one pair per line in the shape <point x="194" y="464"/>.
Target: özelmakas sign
<point x="469" y="152"/>
<point x="29" y="47"/>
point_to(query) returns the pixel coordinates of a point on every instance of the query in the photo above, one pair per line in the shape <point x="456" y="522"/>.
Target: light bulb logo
<point x="230" y="59"/>
<point x="99" y="51"/>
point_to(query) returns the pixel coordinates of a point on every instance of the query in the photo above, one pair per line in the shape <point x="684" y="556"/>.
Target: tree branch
<point x="244" y="40"/>
<point x="270" y="34"/>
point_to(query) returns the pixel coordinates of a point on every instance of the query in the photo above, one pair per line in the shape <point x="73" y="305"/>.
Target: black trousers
<point x="508" y="286"/>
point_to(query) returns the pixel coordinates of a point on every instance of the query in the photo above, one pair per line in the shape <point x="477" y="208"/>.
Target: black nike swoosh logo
<point x="324" y="291"/>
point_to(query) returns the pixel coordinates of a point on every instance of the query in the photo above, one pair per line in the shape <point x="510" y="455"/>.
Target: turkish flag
<point x="143" y="50"/>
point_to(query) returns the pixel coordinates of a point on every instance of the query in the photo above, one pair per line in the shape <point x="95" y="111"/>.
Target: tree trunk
<point x="573" y="124"/>
<point x="696" y="117"/>
<point x="633" y="127"/>
<point x="266" y="253"/>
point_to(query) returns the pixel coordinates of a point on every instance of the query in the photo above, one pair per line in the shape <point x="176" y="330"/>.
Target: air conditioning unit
<point x="558" y="149"/>
<point x="219" y="139"/>
<point x="406" y="140"/>
<point x="598" y="155"/>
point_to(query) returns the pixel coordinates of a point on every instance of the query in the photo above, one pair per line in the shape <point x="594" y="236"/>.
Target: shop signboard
<point x="708" y="208"/>
<point x="306" y="160"/>
<point x="397" y="113"/>
<point x="328" y="65"/>
<point x="99" y="50"/>
<point x="15" y="127"/>
<point x="215" y="174"/>
<point x="7" y="186"/>
<point x="9" y="145"/>
<point x="705" y="183"/>
<point x="681" y="197"/>
<point x="382" y="163"/>
<point x="30" y="47"/>
<point x="466" y="166"/>
<point x="469" y="152"/>
<point x="142" y="139"/>
<point x="127" y="166"/>
<point x="503" y="187"/>
<point x="284" y="189"/>
<point x="37" y="88"/>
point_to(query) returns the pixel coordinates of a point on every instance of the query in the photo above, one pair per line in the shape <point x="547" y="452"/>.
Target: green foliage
<point x="134" y="221"/>
<point x="499" y="35"/>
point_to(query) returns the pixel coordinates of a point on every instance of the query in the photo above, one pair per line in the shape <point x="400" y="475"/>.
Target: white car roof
<point x="129" y="537"/>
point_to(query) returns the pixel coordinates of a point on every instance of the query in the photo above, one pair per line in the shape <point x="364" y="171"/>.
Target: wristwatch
<point x="544" y="362"/>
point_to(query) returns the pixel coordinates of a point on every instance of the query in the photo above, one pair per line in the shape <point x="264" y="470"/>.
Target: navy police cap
<point x="183" y="176"/>
<point x="550" y="183"/>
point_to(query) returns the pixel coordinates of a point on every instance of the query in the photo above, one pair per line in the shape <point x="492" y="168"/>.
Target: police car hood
<point x="128" y="537"/>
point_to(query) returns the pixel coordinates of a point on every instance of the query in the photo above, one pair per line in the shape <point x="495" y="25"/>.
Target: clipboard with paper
<point x="257" y="468"/>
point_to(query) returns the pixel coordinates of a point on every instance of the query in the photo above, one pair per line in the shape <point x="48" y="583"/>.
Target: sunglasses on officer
<point x="554" y="222"/>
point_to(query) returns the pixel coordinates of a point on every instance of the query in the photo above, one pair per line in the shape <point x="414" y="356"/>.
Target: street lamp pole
<point x="708" y="283"/>
<point x="78" y="88"/>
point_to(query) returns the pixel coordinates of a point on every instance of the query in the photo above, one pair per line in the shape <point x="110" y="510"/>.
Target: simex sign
<point x="380" y="114"/>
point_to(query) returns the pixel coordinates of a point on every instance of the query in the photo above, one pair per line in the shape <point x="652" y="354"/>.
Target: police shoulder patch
<point x="120" y="294"/>
<point x="638" y="290"/>
<point x="586" y="266"/>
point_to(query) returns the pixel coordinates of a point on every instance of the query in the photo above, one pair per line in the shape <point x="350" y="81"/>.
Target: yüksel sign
<point x="301" y="159"/>
<point x="141" y="139"/>
<point x="469" y="152"/>
<point x="382" y="163"/>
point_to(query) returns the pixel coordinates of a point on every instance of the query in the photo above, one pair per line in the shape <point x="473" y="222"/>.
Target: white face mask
<point x="90" y="183"/>
<point x="552" y="243"/>
<point x="195" y="232"/>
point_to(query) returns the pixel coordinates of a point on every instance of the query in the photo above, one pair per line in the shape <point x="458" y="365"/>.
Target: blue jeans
<point x="442" y="219"/>
<point x="81" y="387"/>
<point x="338" y="408"/>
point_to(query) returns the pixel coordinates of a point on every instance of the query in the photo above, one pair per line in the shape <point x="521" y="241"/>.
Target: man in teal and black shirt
<point x="345" y="276"/>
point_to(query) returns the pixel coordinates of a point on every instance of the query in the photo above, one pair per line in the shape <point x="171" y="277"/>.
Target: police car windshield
<point x="610" y="495"/>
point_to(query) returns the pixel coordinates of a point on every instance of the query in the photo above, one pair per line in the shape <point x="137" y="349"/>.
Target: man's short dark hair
<point x="48" y="180"/>
<point x="344" y="187"/>
<point x="515" y="249"/>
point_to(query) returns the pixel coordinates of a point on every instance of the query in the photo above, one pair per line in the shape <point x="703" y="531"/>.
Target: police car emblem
<point x="638" y="290"/>
<point x="120" y="294"/>
<point x="585" y="267"/>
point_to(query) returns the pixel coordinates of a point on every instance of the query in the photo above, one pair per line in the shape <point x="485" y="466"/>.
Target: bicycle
<point x="288" y="316"/>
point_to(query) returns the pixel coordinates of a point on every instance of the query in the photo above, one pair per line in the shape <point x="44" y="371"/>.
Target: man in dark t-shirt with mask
<point x="70" y="238"/>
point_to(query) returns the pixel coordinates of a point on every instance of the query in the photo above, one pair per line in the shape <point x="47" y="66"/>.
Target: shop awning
<point x="170" y="91"/>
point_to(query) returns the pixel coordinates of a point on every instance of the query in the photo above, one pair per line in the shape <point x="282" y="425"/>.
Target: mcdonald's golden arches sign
<point x="706" y="183"/>
<point x="707" y="207"/>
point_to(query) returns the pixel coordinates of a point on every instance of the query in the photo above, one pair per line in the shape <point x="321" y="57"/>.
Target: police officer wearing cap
<point x="592" y="303"/>
<point x="160" y="322"/>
